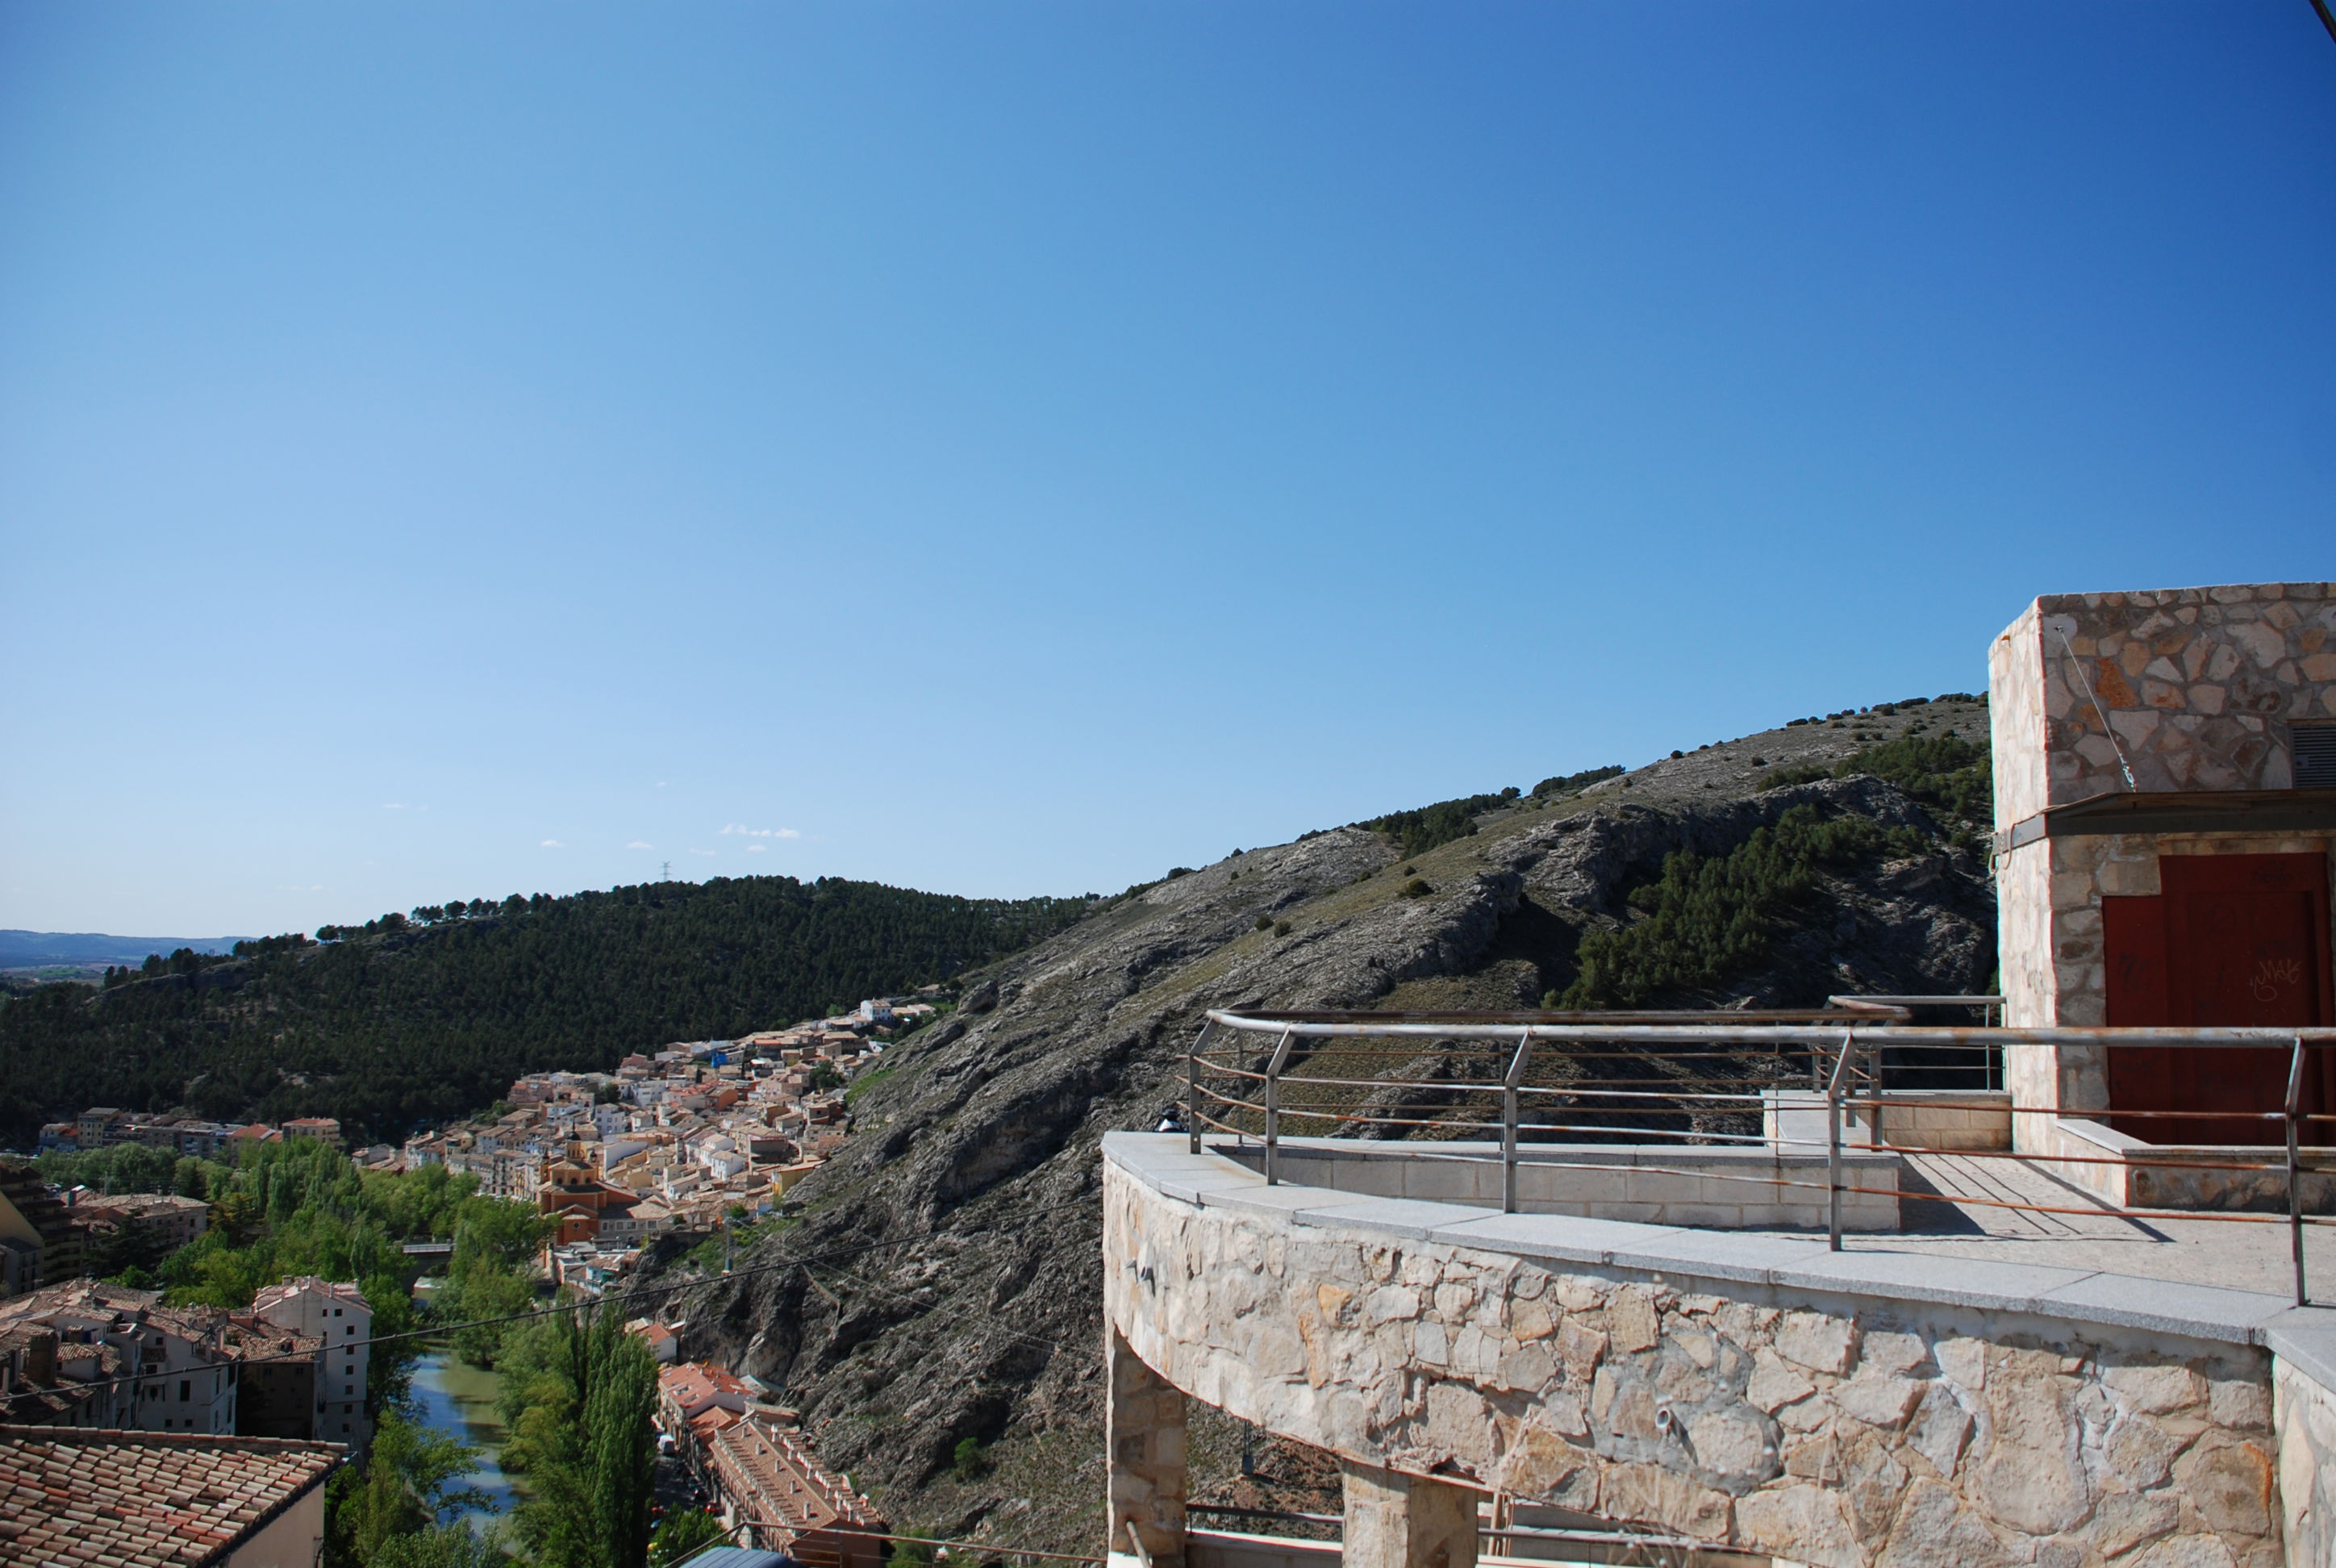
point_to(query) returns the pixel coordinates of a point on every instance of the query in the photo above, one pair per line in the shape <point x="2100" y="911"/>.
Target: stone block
<point x="1804" y="1523"/>
<point x="2231" y="1484"/>
<point x="1397" y="1521"/>
<point x="2155" y="1390"/>
<point x="2243" y="1406"/>
<point x="1821" y="1342"/>
<point x="1878" y="1398"/>
<point x="1651" y="1494"/>
<point x="1632" y="1322"/>
<point x="1775" y="1382"/>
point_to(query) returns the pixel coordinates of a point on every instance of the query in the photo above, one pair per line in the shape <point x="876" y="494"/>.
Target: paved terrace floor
<point x="2250" y="1254"/>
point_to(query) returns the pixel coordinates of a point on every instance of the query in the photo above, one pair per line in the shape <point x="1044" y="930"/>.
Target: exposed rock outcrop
<point x="955" y="1293"/>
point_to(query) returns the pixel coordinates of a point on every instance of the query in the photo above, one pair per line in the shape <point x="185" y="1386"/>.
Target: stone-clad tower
<point x="2165" y="810"/>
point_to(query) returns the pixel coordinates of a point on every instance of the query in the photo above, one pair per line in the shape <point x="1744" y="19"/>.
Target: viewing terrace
<point x="1740" y="1288"/>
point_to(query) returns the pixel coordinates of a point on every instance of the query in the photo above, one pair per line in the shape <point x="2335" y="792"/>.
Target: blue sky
<point x="456" y="449"/>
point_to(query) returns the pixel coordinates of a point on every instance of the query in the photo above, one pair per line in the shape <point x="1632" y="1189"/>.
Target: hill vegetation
<point x="1708" y="919"/>
<point x="1416" y="833"/>
<point x="419" y="1017"/>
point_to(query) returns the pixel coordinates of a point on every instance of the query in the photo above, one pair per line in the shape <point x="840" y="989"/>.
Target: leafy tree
<point x="583" y="1440"/>
<point x="913" y="1550"/>
<point x="453" y="1546"/>
<point x="683" y="1533"/>
<point x="406" y="1486"/>
<point x="488" y="1277"/>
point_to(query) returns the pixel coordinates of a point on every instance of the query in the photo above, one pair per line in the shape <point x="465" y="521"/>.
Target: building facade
<point x="339" y="1315"/>
<point x="2166" y="812"/>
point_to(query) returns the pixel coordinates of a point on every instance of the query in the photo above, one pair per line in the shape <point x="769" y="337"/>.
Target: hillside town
<point x="693" y="1137"/>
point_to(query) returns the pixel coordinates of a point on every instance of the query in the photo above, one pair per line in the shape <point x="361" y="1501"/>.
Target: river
<point x="456" y="1397"/>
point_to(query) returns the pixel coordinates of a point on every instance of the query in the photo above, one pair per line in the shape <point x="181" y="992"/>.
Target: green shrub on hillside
<point x="1946" y="772"/>
<point x="1418" y="832"/>
<point x="1708" y="919"/>
<point x="1575" y="782"/>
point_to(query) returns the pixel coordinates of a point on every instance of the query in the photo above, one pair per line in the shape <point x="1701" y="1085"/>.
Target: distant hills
<point x="420" y="1017"/>
<point x="33" y="950"/>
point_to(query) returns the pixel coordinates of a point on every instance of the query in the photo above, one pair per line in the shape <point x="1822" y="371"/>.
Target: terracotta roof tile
<point x="143" y="1499"/>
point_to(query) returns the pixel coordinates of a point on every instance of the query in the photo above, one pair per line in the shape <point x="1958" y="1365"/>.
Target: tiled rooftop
<point x="131" y="1498"/>
<point x="768" y="1469"/>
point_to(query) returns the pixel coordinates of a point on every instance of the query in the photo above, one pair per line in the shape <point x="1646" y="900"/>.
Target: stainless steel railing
<point x="1649" y="1077"/>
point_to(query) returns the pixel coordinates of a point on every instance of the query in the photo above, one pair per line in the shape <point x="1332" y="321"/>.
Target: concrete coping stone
<point x="1487" y="1152"/>
<point x="2303" y="1337"/>
<point x="2140" y="1152"/>
<point x="1415" y="1218"/>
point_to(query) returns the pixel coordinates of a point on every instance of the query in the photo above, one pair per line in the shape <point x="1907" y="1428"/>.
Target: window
<point x="2314" y="746"/>
<point x="185" y="1389"/>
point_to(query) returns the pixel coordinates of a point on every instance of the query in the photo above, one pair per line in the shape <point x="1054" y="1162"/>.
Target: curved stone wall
<point x="1837" y="1427"/>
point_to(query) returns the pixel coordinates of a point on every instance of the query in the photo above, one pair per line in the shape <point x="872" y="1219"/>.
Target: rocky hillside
<point x="954" y="1291"/>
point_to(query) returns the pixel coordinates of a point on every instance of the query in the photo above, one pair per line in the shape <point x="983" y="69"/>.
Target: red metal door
<point x="2233" y="939"/>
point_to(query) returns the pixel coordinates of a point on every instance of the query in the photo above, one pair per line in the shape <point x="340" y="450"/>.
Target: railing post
<point x="1873" y="1110"/>
<point x="1832" y="1139"/>
<point x="1273" y="1109"/>
<point x="1193" y="1086"/>
<point x="1509" y="1121"/>
<point x="2295" y="1167"/>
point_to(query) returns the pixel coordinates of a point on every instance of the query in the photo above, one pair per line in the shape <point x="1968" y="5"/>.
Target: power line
<point x="442" y="1331"/>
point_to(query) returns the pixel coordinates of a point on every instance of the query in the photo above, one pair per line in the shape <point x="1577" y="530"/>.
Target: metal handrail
<point x="1844" y="1046"/>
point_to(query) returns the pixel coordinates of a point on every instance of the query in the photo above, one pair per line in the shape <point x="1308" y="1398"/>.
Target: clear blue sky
<point x="1016" y="448"/>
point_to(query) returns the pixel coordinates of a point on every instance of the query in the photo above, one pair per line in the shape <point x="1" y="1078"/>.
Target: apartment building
<point x="339" y="1315"/>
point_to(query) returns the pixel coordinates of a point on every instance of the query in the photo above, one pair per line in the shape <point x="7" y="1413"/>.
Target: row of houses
<point x="45" y="1235"/>
<point x="680" y="1139"/>
<point x="103" y="1126"/>
<point x="757" y="1468"/>
<point x="102" y="1356"/>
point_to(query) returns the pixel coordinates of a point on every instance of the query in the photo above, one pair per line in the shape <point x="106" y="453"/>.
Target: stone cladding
<point x="2304" y="1413"/>
<point x="2193" y="689"/>
<point x="2198" y="685"/>
<point x="1842" y="1432"/>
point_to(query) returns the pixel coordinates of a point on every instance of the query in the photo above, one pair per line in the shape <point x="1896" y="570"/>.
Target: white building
<point x="340" y="1314"/>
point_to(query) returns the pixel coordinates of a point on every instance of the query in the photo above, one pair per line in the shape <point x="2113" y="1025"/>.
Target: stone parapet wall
<point x="1714" y="1186"/>
<point x="1834" y="1427"/>
<point x="2146" y="1175"/>
<point x="1972" y="1121"/>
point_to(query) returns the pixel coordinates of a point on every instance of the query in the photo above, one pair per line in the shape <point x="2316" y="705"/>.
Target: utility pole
<point x="666" y="875"/>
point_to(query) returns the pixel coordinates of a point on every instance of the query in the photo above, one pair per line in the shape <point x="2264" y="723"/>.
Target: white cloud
<point x="640" y="844"/>
<point x="745" y="831"/>
<point x="392" y="805"/>
<point x="553" y="844"/>
<point x="706" y="852"/>
<point x="756" y="849"/>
